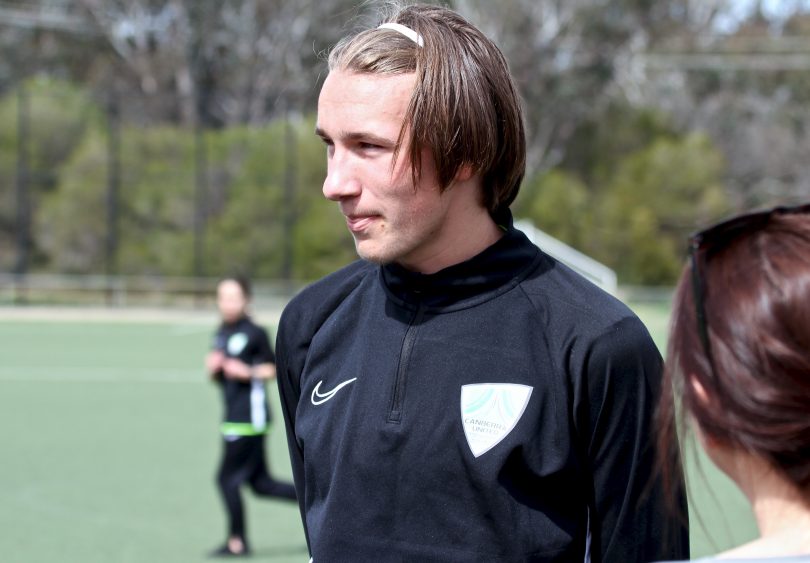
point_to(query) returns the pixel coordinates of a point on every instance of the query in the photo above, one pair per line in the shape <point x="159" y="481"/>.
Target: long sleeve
<point x="300" y="322"/>
<point x="289" y="365"/>
<point x="618" y="389"/>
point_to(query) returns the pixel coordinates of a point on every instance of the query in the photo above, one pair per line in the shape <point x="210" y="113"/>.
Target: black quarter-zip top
<point x="498" y="410"/>
<point x="397" y="397"/>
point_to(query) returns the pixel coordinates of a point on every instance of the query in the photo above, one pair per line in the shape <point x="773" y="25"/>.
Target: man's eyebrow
<point x="365" y="136"/>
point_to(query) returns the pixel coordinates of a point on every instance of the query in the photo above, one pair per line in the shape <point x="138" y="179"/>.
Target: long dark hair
<point x="757" y="309"/>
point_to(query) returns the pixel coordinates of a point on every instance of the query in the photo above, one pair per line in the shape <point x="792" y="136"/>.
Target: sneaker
<point x="225" y="551"/>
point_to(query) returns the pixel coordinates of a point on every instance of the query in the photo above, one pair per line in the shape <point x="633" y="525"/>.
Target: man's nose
<point x="341" y="180"/>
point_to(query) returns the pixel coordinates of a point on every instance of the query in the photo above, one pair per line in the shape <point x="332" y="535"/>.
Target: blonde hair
<point x="464" y="108"/>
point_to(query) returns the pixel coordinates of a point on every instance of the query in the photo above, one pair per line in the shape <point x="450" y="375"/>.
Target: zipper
<point x="395" y="413"/>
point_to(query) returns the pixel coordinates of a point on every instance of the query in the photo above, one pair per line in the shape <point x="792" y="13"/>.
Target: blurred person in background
<point x="241" y="362"/>
<point x="739" y="362"/>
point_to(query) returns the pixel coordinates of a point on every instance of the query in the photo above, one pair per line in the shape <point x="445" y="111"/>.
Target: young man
<point x="241" y="361"/>
<point x="458" y="395"/>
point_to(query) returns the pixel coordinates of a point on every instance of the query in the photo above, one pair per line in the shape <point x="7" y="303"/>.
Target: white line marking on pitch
<point x="96" y="374"/>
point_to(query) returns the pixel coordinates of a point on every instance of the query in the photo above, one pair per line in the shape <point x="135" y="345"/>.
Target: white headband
<point x="404" y="30"/>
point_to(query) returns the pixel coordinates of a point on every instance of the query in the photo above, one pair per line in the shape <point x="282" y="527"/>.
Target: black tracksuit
<point x="498" y="410"/>
<point x="246" y="419"/>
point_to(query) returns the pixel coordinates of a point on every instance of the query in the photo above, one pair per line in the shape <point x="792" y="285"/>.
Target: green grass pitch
<point x="110" y="445"/>
<point x="719" y="514"/>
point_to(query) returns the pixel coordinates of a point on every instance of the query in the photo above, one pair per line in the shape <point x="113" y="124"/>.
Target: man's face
<point x="390" y="218"/>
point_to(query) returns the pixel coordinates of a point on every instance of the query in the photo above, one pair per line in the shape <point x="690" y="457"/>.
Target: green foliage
<point x="8" y="160"/>
<point x="71" y="223"/>
<point x="558" y="203"/>
<point x="600" y="144"/>
<point x="247" y="207"/>
<point x="157" y="200"/>
<point x="321" y="242"/>
<point x="156" y="205"/>
<point x="629" y="190"/>
<point x="629" y="194"/>
<point x="248" y="233"/>
<point x="246" y="222"/>
<point x="655" y="198"/>
<point x="56" y="116"/>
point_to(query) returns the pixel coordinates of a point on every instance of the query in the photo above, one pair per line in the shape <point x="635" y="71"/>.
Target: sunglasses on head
<point x="703" y="243"/>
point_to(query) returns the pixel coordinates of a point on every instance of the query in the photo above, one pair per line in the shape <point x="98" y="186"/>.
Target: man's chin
<point x="373" y="255"/>
<point x="374" y="259"/>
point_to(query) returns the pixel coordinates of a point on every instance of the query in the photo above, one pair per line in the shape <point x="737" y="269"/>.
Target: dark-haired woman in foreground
<point x="739" y="360"/>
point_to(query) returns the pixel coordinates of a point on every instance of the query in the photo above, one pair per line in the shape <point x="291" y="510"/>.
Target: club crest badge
<point x="489" y="412"/>
<point x="236" y="343"/>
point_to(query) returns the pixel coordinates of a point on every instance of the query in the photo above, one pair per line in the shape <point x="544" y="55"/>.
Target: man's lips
<point x="358" y="223"/>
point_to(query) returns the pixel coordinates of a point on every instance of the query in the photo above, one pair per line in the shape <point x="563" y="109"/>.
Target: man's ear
<point x="464" y="173"/>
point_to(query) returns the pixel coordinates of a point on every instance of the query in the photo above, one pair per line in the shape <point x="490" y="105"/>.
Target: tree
<point x="248" y="230"/>
<point x="629" y="192"/>
<point x="656" y="197"/>
<point x="564" y="56"/>
<point x="245" y="215"/>
<point x="223" y="63"/>
<point x="608" y="86"/>
<point x="746" y="88"/>
<point x="56" y="118"/>
<point x="157" y="205"/>
<point x="558" y="203"/>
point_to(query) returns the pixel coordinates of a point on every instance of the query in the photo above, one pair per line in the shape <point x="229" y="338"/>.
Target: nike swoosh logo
<point x="323" y="397"/>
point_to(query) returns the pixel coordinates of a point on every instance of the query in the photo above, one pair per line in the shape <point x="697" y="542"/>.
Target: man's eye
<point x="368" y="146"/>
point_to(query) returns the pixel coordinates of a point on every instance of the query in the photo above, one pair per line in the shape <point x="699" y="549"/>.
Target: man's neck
<point x="463" y="238"/>
<point x="467" y="229"/>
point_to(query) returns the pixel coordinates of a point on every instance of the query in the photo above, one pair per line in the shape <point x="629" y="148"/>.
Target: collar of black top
<point x="496" y="269"/>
